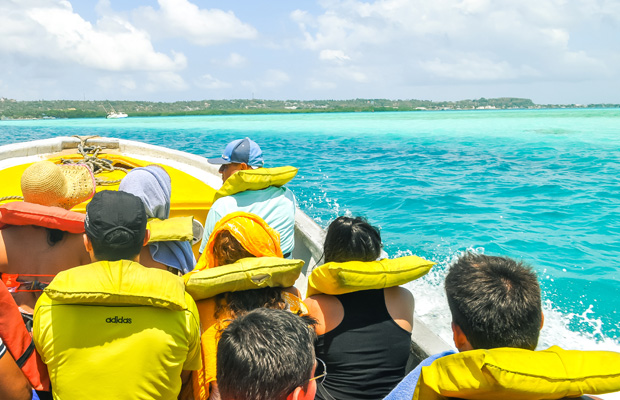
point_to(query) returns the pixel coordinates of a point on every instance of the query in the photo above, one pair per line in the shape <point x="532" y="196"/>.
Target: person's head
<point x="351" y="239"/>
<point x="239" y="155"/>
<point x="267" y="355"/>
<point x="494" y="301"/>
<point x="115" y="226"/>
<point x="239" y="235"/>
<point x="153" y="186"/>
<point x="242" y="235"/>
<point x="227" y="249"/>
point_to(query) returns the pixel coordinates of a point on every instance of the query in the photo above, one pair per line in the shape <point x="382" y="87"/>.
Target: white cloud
<point x="51" y="30"/>
<point x="333" y="55"/>
<point x="165" y="81"/>
<point x="113" y="83"/>
<point x="316" y="84"/>
<point x="474" y="69"/>
<point x="209" y="82"/>
<point x="183" y="19"/>
<point x="460" y="40"/>
<point x="128" y="84"/>
<point x="234" y="60"/>
<point x="275" y="78"/>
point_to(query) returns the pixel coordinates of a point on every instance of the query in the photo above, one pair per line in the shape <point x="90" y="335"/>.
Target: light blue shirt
<point x="276" y="205"/>
<point x="405" y="389"/>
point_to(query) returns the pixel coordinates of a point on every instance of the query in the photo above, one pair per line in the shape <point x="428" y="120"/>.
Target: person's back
<point x="274" y="204"/>
<point x="366" y="353"/>
<point x="38" y="237"/>
<point x="496" y="309"/>
<point x="237" y="236"/>
<point x="114" y="328"/>
<point x="364" y="336"/>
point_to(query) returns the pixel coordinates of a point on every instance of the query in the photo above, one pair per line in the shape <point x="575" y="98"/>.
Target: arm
<point x="400" y="304"/>
<point x="327" y="310"/>
<point x="13" y="383"/>
<point x="187" y="386"/>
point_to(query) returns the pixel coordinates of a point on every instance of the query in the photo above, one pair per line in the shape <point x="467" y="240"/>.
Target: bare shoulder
<point x="399" y="296"/>
<point x="293" y="290"/>
<point x="400" y="304"/>
<point x="327" y="310"/>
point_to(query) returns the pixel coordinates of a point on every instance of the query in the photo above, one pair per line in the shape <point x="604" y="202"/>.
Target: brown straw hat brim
<point x="64" y="186"/>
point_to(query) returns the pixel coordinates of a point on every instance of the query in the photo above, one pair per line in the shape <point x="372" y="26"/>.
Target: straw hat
<point x="63" y="186"/>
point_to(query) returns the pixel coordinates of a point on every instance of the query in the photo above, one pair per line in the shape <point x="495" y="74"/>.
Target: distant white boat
<point x="115" y="114"/>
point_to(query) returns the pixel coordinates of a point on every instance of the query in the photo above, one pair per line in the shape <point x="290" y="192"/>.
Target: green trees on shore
<point x="12" y="109"/>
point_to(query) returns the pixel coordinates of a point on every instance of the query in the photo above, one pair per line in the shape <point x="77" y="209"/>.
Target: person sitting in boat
<point x="152" y="185"/>
<point x="241" y="242"/>
<point x="13" y="383"/>
<point x="267" y="354"/>
<point x="363" y="336"/>
<point x="21" y="353"/>
<point x="115" y="329"/>
<point x="272" y="202"/>
<point x="495" y="304"/>
<point x="38" y="238"/>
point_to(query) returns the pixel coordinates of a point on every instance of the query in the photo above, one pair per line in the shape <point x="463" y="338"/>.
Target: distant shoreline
<point x="51" y="109"/>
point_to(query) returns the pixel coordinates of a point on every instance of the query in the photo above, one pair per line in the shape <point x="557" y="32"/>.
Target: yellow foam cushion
<point x="171" y="229"/>
<point x="340" y="278"/>
<point x="509" y="374"/>
<point x="118" y="283"/>
<point x="245" y="274"/>
<point x="256" y="179"/>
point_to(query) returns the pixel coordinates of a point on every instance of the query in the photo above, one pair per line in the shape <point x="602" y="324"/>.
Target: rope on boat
<point x="6" y="198"/>
<point x="89" y="157"/>
<point x="97" y="165"/>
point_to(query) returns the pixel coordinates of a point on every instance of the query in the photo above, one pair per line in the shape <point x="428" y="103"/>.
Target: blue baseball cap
<point x="240" y="151"/>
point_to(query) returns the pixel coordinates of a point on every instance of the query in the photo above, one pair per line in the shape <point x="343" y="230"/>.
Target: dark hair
<point x="495" y="301"/>
<point x="265" y="355"/>
<point x="227" y="250"/>
<point x="351" y="239"/>
<point x="104" y="251"/>
<point x="115" y="224"/>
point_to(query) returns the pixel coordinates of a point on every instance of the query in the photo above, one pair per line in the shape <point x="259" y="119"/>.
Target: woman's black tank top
<point x="367" y="353"/>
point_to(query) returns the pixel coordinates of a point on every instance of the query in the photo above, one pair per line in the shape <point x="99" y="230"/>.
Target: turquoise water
<point x="539" y="185"/>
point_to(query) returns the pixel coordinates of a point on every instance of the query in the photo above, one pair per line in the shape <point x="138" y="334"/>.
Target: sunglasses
<point x="320" y="378"/>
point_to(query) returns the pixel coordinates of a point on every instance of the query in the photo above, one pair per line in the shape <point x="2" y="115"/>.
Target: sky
<point x="550" y="51"/>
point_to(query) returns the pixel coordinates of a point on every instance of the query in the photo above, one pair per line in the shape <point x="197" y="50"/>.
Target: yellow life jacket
<point x="518" y="374"/>
<point x="117" y="328"/>
<point x="352" y="276"/>
<point x="256" y="179"/>
<point x="245" y="274"/>
<point x="121" y="282"/>
<point x="171" y="229"/>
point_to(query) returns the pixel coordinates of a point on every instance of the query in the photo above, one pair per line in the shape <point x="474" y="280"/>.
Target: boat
<point x="116" y="114"/>
<point x="193" y="181"/>
<point x="113" y="114"/>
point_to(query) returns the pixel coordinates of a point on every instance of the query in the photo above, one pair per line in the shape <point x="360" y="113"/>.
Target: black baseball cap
<point x="116" y="220"/>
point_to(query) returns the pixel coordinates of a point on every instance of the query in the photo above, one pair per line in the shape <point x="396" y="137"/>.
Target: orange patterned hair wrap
<point x="254" y="234"/>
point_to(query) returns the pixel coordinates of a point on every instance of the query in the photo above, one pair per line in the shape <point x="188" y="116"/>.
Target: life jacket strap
<point x="26" y="355"/>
